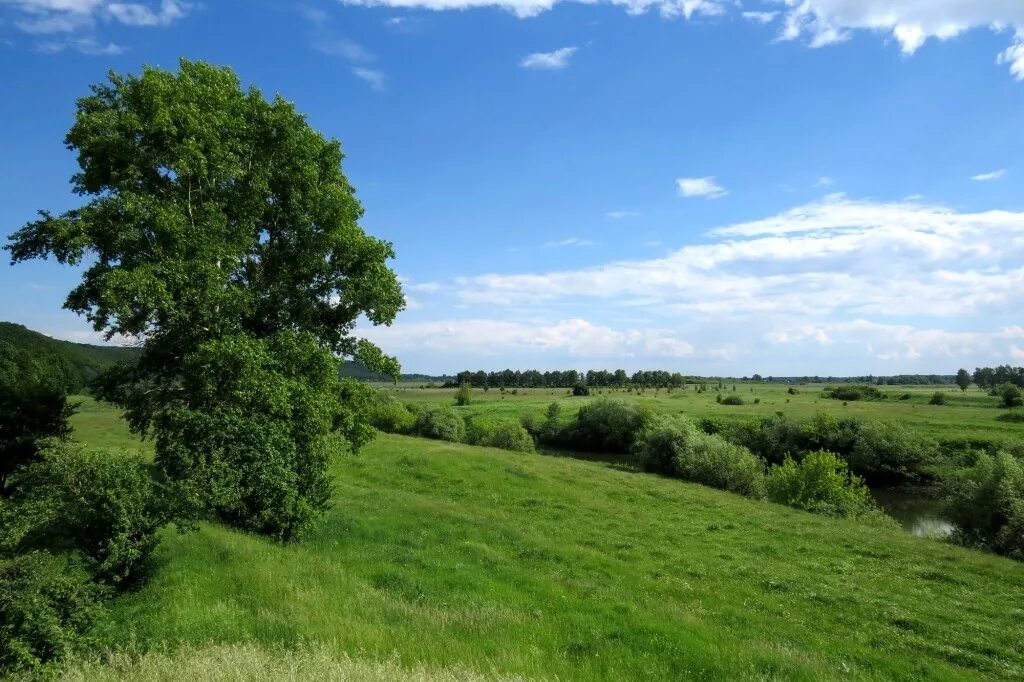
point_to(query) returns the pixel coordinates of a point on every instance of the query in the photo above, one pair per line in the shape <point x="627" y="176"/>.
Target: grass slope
<point x="444" y="561"/>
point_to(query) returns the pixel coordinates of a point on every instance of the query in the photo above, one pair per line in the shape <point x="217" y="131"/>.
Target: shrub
<point x="732" y="400"/>
<point x="387" y="414"/>
<point x="440" y="423"/>
<point x="986" y="503"/>
<point x="677" y="448"/>
<point x="938" y="398"/>
<point x="28" y="414"/>
<point x="501" y="433"/>
<point x="891" y="454"/>
<point x="463" y="396"/>
<point x="821" y="483"/>
<point x="581" y="389"/>
<point x="906" y="396"/>
<point x="853" y="392"/>
<point x="792" y="391"/>
<point x="605" y="425"/>
<point x="1011" y="395"/>
<point x="46" y="604"/>
<point x="99" y="502"/>
<point x="1012" y="417"/>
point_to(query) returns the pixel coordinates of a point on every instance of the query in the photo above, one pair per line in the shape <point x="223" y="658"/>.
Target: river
<point x="919" y="514"/>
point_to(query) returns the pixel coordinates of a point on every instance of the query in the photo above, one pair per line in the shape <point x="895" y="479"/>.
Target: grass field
<point x="442" y="561"/>
<point x="970" y="415"/>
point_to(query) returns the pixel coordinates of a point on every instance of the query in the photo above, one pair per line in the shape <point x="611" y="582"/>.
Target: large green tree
<point x="221" y="231"/>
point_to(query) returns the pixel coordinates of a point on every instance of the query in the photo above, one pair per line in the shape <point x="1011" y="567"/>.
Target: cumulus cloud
<point x="550" y="61"/>
<point x="700" y="187"/>
<point x="574" y="337"/>
<point x="993" y="175"/>
<point x="910" y="22"/>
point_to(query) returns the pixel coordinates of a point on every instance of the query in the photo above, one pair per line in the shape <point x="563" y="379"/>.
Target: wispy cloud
<point x="824" y="181"/>
<point x="86" y="46"/>
<point x="760" y="17"/>
<point x="619" y="215"/>
<point x="325" y="40"/>
<point x="572" y="241"/>
<point x="993" y="175"/>
<point x="700" y="187"/>
<point x="557" y="59"/>
<point x="375" y="77"/>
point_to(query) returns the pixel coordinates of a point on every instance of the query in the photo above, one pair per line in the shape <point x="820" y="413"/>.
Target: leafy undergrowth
<point x="443" y="560"/>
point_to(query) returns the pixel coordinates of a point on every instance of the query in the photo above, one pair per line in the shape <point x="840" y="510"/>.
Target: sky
<point x="786" y="187"/>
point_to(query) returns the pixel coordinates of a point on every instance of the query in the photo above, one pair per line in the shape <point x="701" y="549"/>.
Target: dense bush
<point x="464" y="395"/>
<point x="605" y="425"/>
<point x="440" y="423"/>
<point x="99" y="502"/>
<point x="986" y="503"/>
<point x="389" y="415"/>
<point x="1012" y="417"/>
<point x="891" y="454"/>
<point x="1011" y="395"/>
<point x="29" y="413"/>
<point x="46" y="604"/>
<point x="499" y="433"/>
<point x="853" y="392"/>
<point x="938" y="398"/>
<point x="822" y="483"/>
<point x="676" y="447"/>
<point x="580" y="389"/>
<point x="732" y="399"/>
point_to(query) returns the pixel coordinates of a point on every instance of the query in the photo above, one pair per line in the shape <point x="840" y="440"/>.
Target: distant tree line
<point x="988" y="378"/>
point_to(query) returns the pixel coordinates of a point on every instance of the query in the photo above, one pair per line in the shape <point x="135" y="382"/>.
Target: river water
<point x="918" y="514"/>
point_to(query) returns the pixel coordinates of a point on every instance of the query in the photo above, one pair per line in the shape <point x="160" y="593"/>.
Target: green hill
<point x="441" y="561"/>
<point x="26" y="355"/>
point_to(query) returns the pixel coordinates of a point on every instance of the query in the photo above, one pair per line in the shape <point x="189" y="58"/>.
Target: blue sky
<point x="709" y="186"/>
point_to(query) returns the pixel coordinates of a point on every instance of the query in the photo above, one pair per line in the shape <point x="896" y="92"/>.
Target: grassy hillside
<point x="26" y="355"/>
<point x="444" y="561"/>
<point x="970" y="415"/>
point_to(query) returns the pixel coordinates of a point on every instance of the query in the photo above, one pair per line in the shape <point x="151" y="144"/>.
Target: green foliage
<point x="821" y="483"/>
<point x="440" y="423"/>
<point x="676" y="447"/>
<point x="1010" y="394"/>
<point x="499" y="433"/>
<point x="580" y="389"/>
<point x="389" y="415"/>
<point x="220" y="228"/>
<point x="33" y="358"/>
<point x="1012" y="417"/>
<point x="963" y="379"/>
<point x="890" y="454"/>
<point x="853" y="392"/>
<point x="605" y="425"/>
<point x="986" y="503"/>
<point x="47" y="603"/>
<point x="29" y="413"/>
<point x="99" y="503"/>
<point x="464" y="395"/>
<point x="251" y="445"/>
<point x="732" y="399"/>
<point x="938" y="398"/>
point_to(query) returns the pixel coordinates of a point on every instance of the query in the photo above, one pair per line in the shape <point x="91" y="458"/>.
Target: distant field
<point x="445" y="561"/>
<point x="966" y="415"/>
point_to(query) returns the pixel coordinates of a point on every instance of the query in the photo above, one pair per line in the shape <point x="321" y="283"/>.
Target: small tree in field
<point x="221" y="232"/>
<point x="963" y="379"/>
<point x="464" y="395"/>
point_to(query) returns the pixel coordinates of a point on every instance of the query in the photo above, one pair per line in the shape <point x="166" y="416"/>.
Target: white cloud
<point x="557" y="59"/>
<point x="375" y="77"/>
<point x="760" y="17"/>
<point x="531" y="8"/>
<point x="824" y="181"/>
<point x="700" y="187"/>
<point x="910" y="22"/>
<point x="499" y="338"/>
<point x="994" y="175"/>
<point x="572" y="241"/>
<point x="87" y="46"/>
<point x="619" y="215"/>
<point x="38" y="17"/>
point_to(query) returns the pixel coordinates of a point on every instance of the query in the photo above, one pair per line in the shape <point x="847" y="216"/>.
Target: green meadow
<point x="440" y="561"/>
<point x="967" y="415"/>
